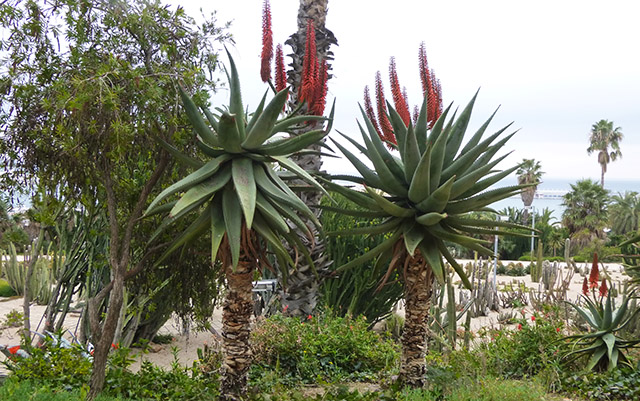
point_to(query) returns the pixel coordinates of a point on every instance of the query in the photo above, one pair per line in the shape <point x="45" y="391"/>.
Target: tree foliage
<point x="605" y="140"/>
<point x="585" y="214"/>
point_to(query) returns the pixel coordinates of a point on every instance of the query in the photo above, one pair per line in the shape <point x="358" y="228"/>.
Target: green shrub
<point x="525" y="350"/>
<point x="618" y="384"/>
<point x="14" y="389"/>
<point x="5" y="289"/>
<point x="324" y="348"/>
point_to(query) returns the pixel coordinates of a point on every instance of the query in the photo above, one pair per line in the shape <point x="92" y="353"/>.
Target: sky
<point x="554" y="68"/>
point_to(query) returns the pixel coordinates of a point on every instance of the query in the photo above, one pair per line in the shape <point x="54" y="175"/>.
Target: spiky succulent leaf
<point x="235" y="189"/>
<point x="431" y="182"/>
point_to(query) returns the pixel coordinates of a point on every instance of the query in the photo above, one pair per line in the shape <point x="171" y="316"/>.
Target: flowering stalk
<point x="267" y="43"/>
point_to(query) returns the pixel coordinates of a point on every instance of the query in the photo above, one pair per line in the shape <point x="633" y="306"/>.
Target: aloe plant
<point x="603" y="348"/>
<point x="238" y="198"/>
<point x="423" y="198"/>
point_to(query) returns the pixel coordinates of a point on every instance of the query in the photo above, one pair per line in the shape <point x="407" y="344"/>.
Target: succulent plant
<point x="423" y="198"/>
<point x="604" y="349"/>
<point x="239" y="198"/>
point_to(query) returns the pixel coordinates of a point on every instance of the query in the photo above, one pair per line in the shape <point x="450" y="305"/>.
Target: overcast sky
<point x="554" y="67"/>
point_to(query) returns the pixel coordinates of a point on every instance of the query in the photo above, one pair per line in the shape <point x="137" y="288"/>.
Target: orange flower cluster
<point x="267" y="43"/>
<point x="313" y="89"/>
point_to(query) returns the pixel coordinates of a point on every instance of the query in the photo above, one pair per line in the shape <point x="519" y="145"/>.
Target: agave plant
<point x="423" y="199"/>
<point x="603" y="348"/>
<point x="238" y="197"/>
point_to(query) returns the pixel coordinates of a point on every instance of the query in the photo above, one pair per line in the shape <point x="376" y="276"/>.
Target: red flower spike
<point x="368" y="109"/>
<point x="594" y="276"/>
<point x="281" y="74"/>
<point x="267" y="43"/>
<point x="385" y="125"/>
<point x="320" y="93"/>
<point x="603" y="288"/>
<point x="309" y="67"/>
<point x="585" y="287"/>
<point x="416" y="113"/>
<point x="398" y="98"/>
<point x="519" y="326"/>
<point x="423" y="65"/>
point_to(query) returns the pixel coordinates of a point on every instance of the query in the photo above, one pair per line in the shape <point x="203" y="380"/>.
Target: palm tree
<point x="529" y="172"/>
<point x="624" y="213"/>
<point x="424" y="200"/>
<point x="308" y="78"/>
<point x="604" y="136"/>
<point x="239" y="198"/>
<point x="585" y="213"/>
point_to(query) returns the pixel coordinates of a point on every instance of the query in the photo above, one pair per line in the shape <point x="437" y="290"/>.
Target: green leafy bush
<point x="5" y="289"/>
<point x="20" y="390"/>
<point x="619" y="384"/>
<point x="525" y="350"/>
<point x="324" y="348"/>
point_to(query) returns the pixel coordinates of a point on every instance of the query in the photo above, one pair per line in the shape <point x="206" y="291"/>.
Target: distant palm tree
<point x="529" y="172"/>
<point x="604" y="136"/>
<point x="624" y="212"/>
<point x="585" y="214"/>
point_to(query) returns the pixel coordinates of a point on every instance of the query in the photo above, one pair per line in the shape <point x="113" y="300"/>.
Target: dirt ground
<point x="186" y="344"/>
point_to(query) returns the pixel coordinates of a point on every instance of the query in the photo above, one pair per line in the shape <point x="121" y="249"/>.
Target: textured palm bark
<point x="236" y="317"/>
<point x="418" y="280"/>
<point x="300" y="295"/>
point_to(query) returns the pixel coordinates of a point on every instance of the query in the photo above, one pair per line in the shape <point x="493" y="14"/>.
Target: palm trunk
<point x="236" y="316"/>
<point x="418" y="280"/>
<point x="301" y="294"/>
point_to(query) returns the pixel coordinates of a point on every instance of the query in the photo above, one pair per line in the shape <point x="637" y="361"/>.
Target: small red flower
<point x="14" y="350"/>
<point x="603" y="288"/>
<point x="594" y="276"/>
<point x="519" y="326"/>
<point x="557" y="329"/>
<point x="309" y="317"/>
<point x="285" y="308"/>
<point x="533" y="318"/>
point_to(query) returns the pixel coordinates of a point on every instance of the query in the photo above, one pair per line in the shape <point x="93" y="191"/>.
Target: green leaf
<point x="368" y="175"/>
<point x="196" y="119"/>
<point x="431" y="218"/>
<point x="228" y="134"/>
<point x="256" y="114"/>
<point x="438" y="152"/>
<point x="294" y="168"/>
<point x="410" y="155"/>
<point x="263" y="128"/>
<point x="388" y="206"/>
<point x="383" y="246"/>
<point x="287" y="146"/>
<point x="271" y="215"/>
<point x="433" y="257"/>
<point x="235" y="100"/>
<point x="389" y="179"/>
<point x="194" y="178"/>
<point x="218" y="228"/>
<point x="437" y="201"/>
<point x="413" y="235"/>
<point x="232" y="222"/>
<point x="456" y="267"/>
<point x="458" y="131"/>
<point x="245" y="185"/>
<point x="192" y="232"/>
<point x="382" y="228"/>
<point x="181" y="157"/>
<point x="420" y="187"/>
<point x="202" y="191"/>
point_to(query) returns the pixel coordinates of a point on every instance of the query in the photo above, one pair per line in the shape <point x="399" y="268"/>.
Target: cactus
<point x="15" y="271"/>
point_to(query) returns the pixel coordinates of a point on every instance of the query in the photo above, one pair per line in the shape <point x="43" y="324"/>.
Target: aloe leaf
<point x="199" y="225"/>
<point x="228" y="134"/>
<point x="353" y="212"/>
<point x="465" y="182"/>
<point x="413" y="235"/>
<point x="410" y="154"/>
<point x="388" y="206"/>
<point x="274" y="240"/>
<point x="213" y="120"/>
<point x="235" y="99"/>
<point x="218" y="229"/>
<point x="233" y="223"/>
<point x="245" y="187"/>
<point x="293" y="144"/>
<point x="456" y="267"/>
<point x="263" y="128"/>
<point x="201" y="191"/>
<point x="437" y="201"/>
<point x="595" y="358"/>
<point x="194" y="116"/>
<point x="256" y="115"/>
<point x="421" y="126"/>
<point x="388" y="178"/>
<point x="429" y="219"/>
<point x="285" y="124"/>
<point x="294" y="168"/>
<point x="457" y="132"/>
<point x="381" y="228"/>
<point x="181" y="157"/>
<point x="475" y="139"/>
<point x="433" y="257"/>
<point x="271" y="215"/>
<point x="420" y="187"/>
<point x="481" y="200"/>
<point x="399" y="128"/>
<point x="372" y="253"/>
<point x="194" y="178"/>
<point x="439" y="139"/>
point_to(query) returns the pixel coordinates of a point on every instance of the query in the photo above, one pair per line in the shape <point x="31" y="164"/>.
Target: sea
<point x="550" y="192"/>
